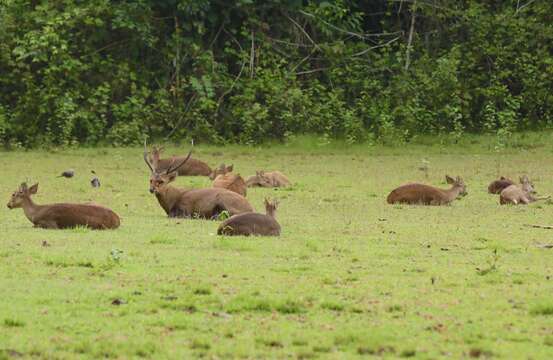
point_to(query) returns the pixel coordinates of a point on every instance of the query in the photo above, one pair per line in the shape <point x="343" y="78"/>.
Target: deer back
<point x="232" y="182"/>
<point x="65" y="215"/>
<point x="497" y="186"/>
<point x="208" y="203"/>
<point x="250" y="224"/>
<point x="415" y="193"/>
<point x="193" y="167"/>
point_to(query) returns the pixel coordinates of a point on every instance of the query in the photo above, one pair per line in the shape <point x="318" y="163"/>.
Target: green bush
<point x="250" y="71"/>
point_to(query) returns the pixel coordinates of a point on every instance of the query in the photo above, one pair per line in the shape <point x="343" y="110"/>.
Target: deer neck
<point x="453" y="193"/>
<point x="30" y="209"/>
<point x="271" y="213"/>
<point x="168" y="197"/>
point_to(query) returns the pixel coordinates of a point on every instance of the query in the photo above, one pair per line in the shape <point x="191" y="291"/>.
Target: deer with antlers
<point x="191" y="203"/>
<point x="63" y="215"/>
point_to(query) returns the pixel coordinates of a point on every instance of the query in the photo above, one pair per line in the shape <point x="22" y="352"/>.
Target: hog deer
<point x="191" y="203"/>
<point x="523" y="194"/>
<point x="253" y="223"/>
<point x="63" y="215"/>
<point x="192" y="167"/>
<point x="428" y="195"/>
<point x="223" y="178"/>
<point x="497" y="186"/>
<point x="268" y="179"/>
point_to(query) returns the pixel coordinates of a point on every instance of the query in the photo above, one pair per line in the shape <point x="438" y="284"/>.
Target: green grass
<point x="350" y="276"/>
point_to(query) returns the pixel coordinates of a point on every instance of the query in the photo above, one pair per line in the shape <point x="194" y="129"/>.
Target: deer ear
<point x="33" y="189"/>
<point x="230" y="168"/>
<point x="449" y="179"/>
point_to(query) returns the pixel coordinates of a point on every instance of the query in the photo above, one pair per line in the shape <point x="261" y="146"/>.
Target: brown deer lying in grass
<point x="268" y="179"/>
<point x="428" y="195"/>
<point x="223" y="178"/>
<point x="192" y="167"/>
<point x="253" y="223"/>
<point x="60" y="216"/>
<point x="200" y="203"/>
<point x="523" y="194"/>
<point x="497" y="186"/>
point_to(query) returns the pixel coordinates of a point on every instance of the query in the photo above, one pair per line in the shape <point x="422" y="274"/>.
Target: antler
<point x="146" y="157"/>
<point x="172" y="168"/>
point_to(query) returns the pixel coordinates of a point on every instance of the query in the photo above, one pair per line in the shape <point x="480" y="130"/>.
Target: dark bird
<point x="95" y="182"/>
<point x="68" y="173"/>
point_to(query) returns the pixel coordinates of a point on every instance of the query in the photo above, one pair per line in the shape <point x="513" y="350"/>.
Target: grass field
<point x="350" y="276"/>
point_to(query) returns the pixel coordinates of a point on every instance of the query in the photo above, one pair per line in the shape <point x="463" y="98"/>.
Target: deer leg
<point x="216" y="212"/>
<point x="176" y="212"/>
<point x="540" y="198"/>
<point x="47" y="225"/>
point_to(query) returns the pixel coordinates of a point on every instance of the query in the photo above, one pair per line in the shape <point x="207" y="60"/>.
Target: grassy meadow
<point x="350" y="276"/>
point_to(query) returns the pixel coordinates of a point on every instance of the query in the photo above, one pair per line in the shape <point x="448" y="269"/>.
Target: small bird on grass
<point x="68" y="173"/>
<point x="95" y="182"/>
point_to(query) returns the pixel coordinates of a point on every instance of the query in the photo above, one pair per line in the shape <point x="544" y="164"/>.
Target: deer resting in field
<point x="223" y="178"/>
<point x="428" y="195"/>
<point x="497" y="186"/>
<point x="253" y="223"/>
<point x="63" y="215"/>
<point x="520" y="194"/>
<point x="268" y="179"/>
<point x="191" y="203"/>
<point x="192" y="167"/>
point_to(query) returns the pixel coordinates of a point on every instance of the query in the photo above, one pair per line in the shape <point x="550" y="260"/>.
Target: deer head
<point x="221" y="170"/>
<point x="457" y="183"/>
<point x="271" y="207"/>
<point x="159" y="179"/>
<point x="155" y="154"/>
<point x="260" y="179"/>
<point x="527" y="185"/>
<point x="21" y="194"/>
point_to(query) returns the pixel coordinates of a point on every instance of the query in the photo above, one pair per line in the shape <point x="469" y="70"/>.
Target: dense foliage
<point x="247" y="71"/>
